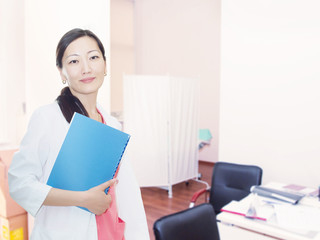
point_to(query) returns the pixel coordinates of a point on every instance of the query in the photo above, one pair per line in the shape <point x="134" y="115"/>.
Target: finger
<point x="107" y="184"/>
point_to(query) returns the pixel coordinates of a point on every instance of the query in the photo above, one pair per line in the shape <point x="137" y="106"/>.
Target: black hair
<point x="69" y="37"/>
<point x="68" y="103"/>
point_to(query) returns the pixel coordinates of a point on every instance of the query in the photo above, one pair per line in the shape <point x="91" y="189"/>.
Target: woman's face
<point x="83" y="67"/>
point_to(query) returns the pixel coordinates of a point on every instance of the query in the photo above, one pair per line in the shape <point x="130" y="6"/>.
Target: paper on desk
<point x="298" y="217"/>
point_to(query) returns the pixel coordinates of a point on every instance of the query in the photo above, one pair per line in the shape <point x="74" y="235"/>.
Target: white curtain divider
<point x="161" y="115"/>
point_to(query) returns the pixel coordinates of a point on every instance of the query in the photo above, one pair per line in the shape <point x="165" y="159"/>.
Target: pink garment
<point x="109" y="225"/>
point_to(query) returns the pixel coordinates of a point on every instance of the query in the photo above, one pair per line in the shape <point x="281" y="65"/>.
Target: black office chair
<point x="191" y="224"/>
<point x="230" y="181"/>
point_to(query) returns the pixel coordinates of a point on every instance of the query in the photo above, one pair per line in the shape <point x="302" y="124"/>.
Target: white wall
<point x="270" y="87"/>
<point x="45" y="23"/>
<point x="181" y="38"/>
<point x="12" y="70"/>
<point x="30" y="31"/>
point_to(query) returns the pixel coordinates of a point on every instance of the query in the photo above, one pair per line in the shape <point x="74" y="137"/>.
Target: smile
<point x="87" y="80"/>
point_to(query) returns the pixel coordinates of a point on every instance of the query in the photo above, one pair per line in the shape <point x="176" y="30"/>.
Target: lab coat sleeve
<point x="25" y="172"/>
<point x="130" y="205"/>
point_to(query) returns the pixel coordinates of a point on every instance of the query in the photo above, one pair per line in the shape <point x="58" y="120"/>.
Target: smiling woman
<point x="80" y="59"/>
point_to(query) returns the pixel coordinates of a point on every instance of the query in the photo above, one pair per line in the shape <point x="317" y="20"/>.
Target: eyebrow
<point x="77" y="55"/>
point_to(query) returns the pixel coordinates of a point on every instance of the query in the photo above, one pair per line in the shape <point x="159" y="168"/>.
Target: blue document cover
<point x="89" y="155"/>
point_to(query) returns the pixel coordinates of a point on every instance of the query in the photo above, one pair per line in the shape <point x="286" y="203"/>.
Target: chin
<point x="85" y="90"/>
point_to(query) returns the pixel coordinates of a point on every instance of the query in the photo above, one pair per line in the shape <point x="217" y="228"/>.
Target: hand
<point x="96" y="200"/>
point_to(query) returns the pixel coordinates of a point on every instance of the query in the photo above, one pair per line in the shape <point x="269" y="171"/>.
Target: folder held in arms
<point x="284" y="196"/>
<point x="89" y="156"/>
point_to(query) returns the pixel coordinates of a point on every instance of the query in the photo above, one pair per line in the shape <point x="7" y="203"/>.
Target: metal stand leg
<point x="170" y="191"/>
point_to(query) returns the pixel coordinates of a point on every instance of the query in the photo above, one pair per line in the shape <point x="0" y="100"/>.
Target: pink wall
<point x="182" y="38"/>
<point x="122" y="50"/>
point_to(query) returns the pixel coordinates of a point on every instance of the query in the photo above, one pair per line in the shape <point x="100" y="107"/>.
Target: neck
<point x="89" y="101"/>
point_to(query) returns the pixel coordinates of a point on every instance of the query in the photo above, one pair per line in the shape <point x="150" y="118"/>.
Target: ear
<point x="62" y="75"/>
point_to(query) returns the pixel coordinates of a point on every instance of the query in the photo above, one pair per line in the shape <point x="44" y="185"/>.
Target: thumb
<point x="107" y="184"/>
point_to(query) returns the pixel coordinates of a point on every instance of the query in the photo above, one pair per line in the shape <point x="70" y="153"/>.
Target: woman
<point x="80" y="59"/>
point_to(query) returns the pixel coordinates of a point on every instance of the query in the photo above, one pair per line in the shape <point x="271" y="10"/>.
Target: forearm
<point x="59" y="197"/>
<point x="94" y="199"/>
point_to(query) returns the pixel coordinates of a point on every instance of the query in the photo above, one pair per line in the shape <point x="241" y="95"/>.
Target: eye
<point x="94" y="57"/>
<point x="73" y="61"/>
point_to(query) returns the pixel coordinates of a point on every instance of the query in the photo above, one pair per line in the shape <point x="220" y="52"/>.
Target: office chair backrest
<point x="232" y="182"/>
<point x="191" y="224"/>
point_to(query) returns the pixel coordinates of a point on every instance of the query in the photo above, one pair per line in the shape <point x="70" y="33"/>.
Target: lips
<point x="87" y="80"/>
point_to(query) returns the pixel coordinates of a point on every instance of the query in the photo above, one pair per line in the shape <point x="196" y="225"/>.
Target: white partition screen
<point x="161" y="115"/>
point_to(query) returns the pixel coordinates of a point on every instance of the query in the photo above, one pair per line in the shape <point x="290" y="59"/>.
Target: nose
<point x="86" y="67"/>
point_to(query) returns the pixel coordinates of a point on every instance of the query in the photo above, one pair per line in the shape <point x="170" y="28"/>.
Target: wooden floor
<point x="157" y="203"/>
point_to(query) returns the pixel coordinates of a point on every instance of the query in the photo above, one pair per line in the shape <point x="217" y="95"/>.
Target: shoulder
<point x="52" y="108"/>
<point x="47" y="114"/>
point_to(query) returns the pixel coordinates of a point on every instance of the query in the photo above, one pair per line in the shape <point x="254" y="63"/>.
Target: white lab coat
<point x="31" y="167"/>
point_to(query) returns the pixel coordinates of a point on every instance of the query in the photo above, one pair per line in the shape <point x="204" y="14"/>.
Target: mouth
<point x="87" y="80"/>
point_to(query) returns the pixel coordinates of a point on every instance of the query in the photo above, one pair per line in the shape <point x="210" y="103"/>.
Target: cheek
<point x="101" y="68"/>
<point x="71" y="74"/>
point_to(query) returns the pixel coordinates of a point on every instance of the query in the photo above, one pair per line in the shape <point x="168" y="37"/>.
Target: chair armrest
<point x="196" y="195"/>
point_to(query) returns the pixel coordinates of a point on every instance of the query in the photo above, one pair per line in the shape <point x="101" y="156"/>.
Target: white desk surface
<point x="264" y="229"/>
<point x="229" y="232"/>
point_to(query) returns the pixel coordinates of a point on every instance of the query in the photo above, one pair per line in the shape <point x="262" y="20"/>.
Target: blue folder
<point x="89" y="155"/>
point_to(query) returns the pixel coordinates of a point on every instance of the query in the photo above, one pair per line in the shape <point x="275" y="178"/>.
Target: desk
<point x="254" y="229"/>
